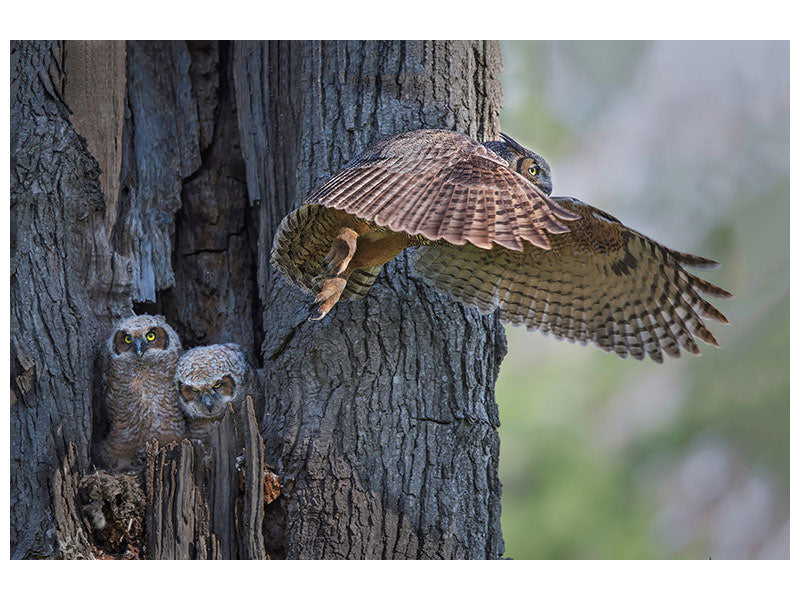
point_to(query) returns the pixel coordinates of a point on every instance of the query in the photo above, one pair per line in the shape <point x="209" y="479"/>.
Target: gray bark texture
<point x="382" y="416"/>
<point x="150" y="177"/>
<point x="61" y="273"/>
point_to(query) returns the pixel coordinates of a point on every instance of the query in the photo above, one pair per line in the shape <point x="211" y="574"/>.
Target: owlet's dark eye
<point x="533" y="170"/>
<point x="127" y="339"/>
<point x="150" y="336"/>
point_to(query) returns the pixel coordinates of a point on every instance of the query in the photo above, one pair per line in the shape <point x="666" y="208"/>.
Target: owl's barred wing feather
<point x="444" y="185"/>
<point x="494" y="240"/>
<point x="301" y="243"/>
<point x="601" y="282"/>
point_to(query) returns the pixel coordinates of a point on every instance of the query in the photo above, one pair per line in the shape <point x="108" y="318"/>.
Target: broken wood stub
<point x="207" y="501"/>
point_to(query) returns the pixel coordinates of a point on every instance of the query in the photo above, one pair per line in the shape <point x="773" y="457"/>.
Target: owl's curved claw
<point x="331" y="291"/>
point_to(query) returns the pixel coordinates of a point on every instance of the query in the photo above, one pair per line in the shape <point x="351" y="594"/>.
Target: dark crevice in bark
<point x="212" y="225"/>
<point x="285" y="341"/>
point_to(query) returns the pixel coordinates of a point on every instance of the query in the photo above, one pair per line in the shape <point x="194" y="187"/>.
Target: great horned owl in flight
<point x="140" y="396"/>
<point x="489" y="235"/>
<point x="207" y="379"/>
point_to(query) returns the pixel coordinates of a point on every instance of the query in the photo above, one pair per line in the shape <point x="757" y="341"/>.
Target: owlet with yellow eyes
<point x="140" y="397"/>
<point x="207" y="379"/>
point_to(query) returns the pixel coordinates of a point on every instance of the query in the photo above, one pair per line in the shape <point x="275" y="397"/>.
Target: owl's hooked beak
<point x="139" y="345"/>
<point x="208" y="400"/>
<point x="545" y="185"/>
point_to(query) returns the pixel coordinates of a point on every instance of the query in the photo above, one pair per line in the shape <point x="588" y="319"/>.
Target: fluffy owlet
<point x="140" y="397"/>
<point x="207" y="379"/>
<point x="489" y="235"/>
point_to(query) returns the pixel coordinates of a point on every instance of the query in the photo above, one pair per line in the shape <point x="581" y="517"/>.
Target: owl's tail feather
<point x="301" y="243"/>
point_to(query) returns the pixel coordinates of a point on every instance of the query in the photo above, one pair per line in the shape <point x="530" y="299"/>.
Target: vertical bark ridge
<point x="61" y="271"/>
<point x="383" y="414"/>
<point x="207" y="501"/>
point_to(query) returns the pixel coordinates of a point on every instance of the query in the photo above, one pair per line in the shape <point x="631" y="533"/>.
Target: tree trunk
<point x="380" y="421"/>
<point x="382" y="416"/>
<point x="62" y="271"/>
<point x="209" y="504"/>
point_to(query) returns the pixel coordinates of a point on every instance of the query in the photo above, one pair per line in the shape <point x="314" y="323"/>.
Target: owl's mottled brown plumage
<point x="601" y="282"/>
<point x="489" y="235"/>
<point x="140" y="397"/>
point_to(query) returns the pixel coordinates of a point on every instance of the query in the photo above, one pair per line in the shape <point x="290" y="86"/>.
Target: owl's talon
<point x="331" y="291"/>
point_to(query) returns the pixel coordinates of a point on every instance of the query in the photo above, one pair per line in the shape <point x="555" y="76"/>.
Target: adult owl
<point x="140" y="398"/>
<point x="207" y="379"/>
<point x="489" y="235"/>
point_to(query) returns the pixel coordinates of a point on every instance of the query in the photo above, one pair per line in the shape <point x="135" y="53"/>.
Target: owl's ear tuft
<point x="515" y="144"/>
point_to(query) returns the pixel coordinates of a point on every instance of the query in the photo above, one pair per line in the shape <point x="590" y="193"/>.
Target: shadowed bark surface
<point x="61" y="272"/>
<point x="380" y="421"/>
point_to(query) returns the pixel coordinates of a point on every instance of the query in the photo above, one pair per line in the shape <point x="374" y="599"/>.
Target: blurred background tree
<point x="687" y="142"/>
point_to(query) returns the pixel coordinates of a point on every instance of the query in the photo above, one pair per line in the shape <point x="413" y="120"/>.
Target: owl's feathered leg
<point x="341" y="251"/>
<point x="349" y="251"/>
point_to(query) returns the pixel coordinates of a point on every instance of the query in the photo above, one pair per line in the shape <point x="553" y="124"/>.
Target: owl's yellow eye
<point x="150" y="336"/>
<point x="127" y="339"/>
<point x="217" y="385"/>
<point x="195" y="390"/>
<point x="533" y="170"/>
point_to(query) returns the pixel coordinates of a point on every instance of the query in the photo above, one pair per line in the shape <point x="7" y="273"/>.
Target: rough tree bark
<point x="65" y="282"/>
<point x="382" y="416"/>
<point x="131" y="190"/>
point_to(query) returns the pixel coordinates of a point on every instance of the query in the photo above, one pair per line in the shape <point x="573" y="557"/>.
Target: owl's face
<point x="208" y="378"/>
<point x="536" y="170"/>
<point x="144" y="339"/>
<point x="527" y="163"/>
<point x="206" y="398"/>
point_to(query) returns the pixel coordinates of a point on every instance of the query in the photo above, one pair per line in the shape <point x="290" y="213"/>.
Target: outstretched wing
<point x="443" y="185"/>
<point x="600" y="282"/>
<point x="302" y="241"/>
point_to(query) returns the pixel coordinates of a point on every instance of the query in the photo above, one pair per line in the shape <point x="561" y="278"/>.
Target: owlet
<point x="207" y="379"/>
<point x="140" y="397"/>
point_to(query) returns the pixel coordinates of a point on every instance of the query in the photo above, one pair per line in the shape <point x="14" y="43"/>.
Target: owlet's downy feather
<point x="489" y="235"/>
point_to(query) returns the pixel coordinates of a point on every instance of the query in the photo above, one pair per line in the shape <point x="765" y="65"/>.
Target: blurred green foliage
<point x="610" y="458"/>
